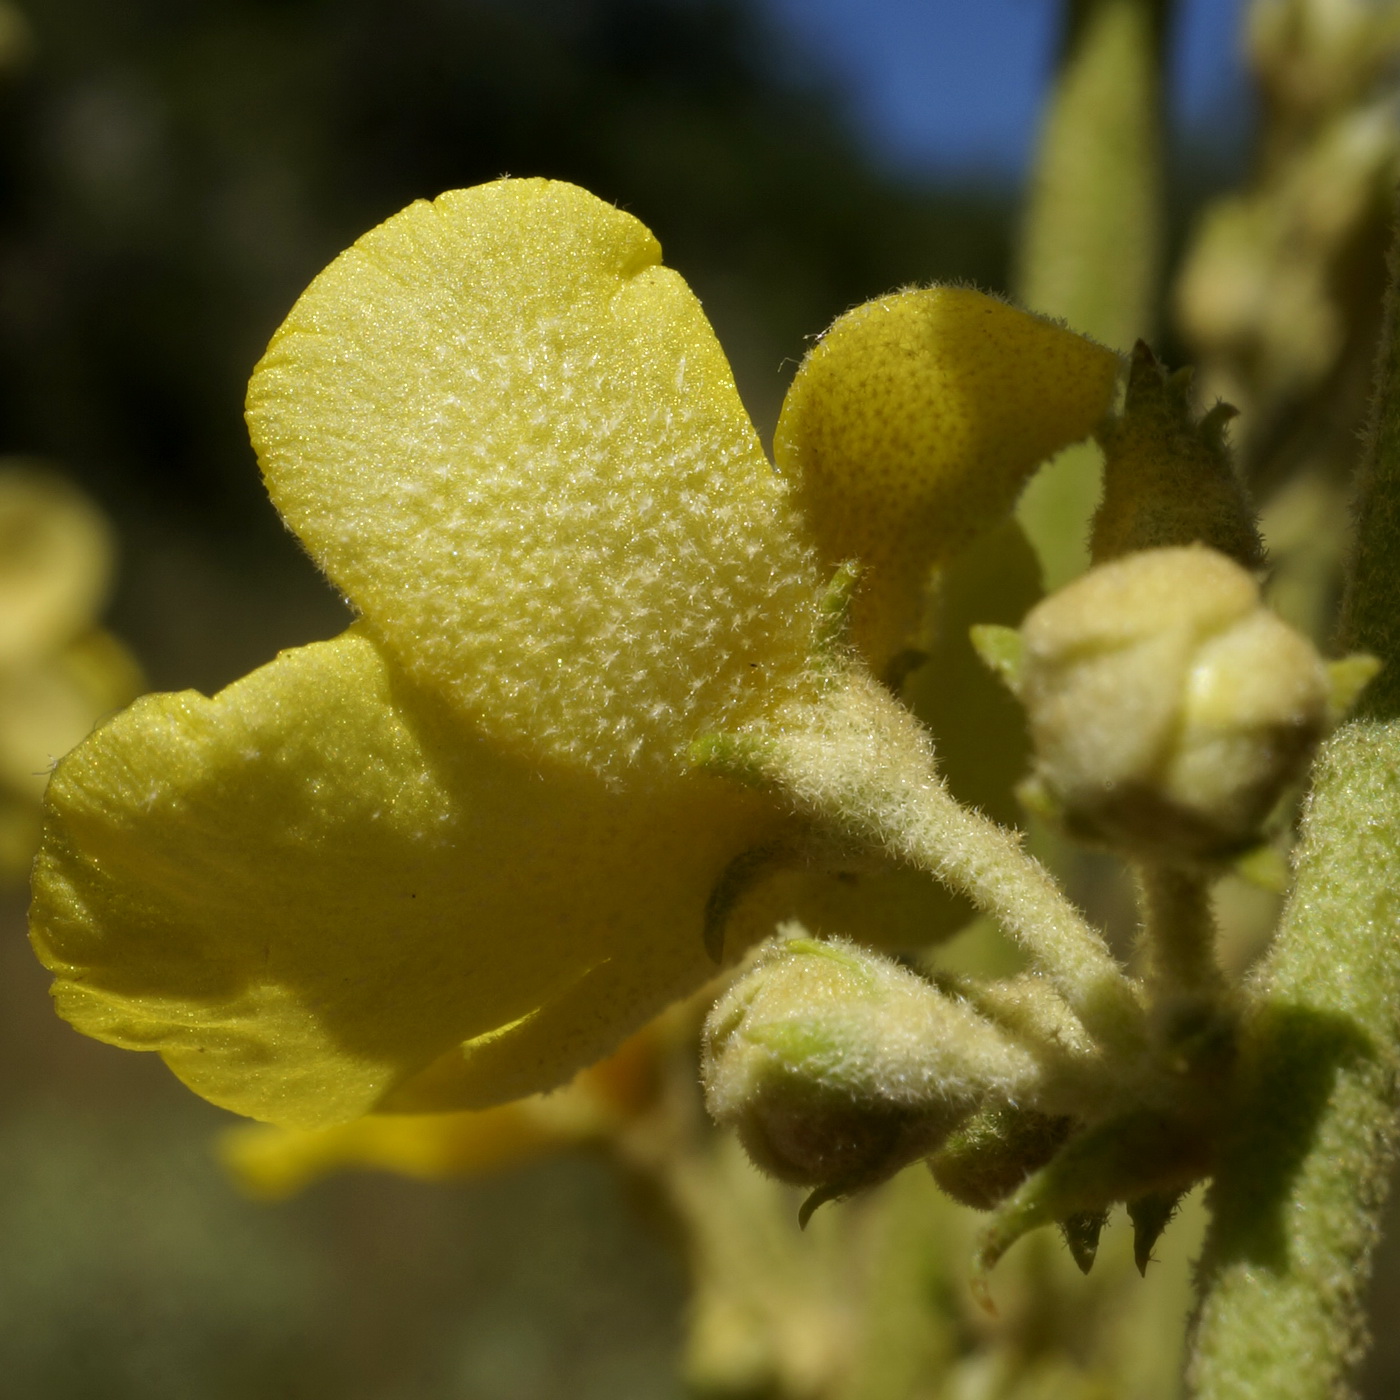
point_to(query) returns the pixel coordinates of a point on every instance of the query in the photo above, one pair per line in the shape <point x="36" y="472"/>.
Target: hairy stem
<point x="1302" y="1178"/>
<point x="1301" y="1182"/>
<point x="860" y="763"/>
<point x="1179" y="931"/>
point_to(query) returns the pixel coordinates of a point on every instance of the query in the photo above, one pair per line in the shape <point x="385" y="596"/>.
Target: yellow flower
<point x="456" y="853"/>
<point x="275" y="1162"/>
<point x="58" y="672"/>
<point x="451" y="856"/>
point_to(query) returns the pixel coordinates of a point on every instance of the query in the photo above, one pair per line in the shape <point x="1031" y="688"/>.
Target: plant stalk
<point x="1301" y="1181"/>
<point x="1179" y="932"/>
<point x="861" y="765"/>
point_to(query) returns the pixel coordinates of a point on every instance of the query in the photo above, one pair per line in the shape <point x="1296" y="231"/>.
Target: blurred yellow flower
<point x="59" y="673"/>
<point x="450" y="857"/>
<point x="275" y="1162"/>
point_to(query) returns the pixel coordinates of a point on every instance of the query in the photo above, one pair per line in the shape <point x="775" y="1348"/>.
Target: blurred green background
<point x="173" y="172"/>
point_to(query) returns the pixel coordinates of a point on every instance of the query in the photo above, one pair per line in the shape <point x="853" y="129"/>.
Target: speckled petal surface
<point x="509" y="435"/>
<point x="914" y="423"/>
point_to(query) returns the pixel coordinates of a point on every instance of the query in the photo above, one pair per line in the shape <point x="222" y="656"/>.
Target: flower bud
<point x="838" y="1066"/>
<point x="992" y="1153"/>
<point x="1168" y="707"/>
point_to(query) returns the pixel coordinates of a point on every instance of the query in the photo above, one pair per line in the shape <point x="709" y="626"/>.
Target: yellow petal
<point x="311" y="887"/>
<point x="509" y="435"/>
<point x="55" y="562"/>
<point x="913" y="425"/>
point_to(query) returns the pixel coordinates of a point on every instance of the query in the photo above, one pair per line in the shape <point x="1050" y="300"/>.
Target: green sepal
<point x="1133" y="1155"/>
<point x="1169" y="478"/>
<point x="1150" y="1214"/>
<point x="1347" y="678"/>
<point x="1081" y="1232"/>
<point x="736" y="880"/>
<point x="740" y="757"/>
<point x="991" y="1154"/>
<point x="819" y="1197"/>
<point x="1002" y="650"/>
<point x="833" y="642"/>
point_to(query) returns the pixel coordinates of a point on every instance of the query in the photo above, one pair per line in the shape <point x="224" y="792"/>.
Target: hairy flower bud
<point x="838" y="1066"/>
<point x="992" y="1153"/>
<point x="1168" y="707"/>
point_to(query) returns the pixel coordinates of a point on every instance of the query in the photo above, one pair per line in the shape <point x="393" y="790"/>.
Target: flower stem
<point x="859" y="763"/>
<point x="1179" y="932"/>
<point x="1371" y="606"/>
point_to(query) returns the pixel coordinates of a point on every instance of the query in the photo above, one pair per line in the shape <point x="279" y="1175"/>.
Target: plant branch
<point x="1301" y="1181"/>
<point x="1371" y="605"/>
<point x="1302" y="1178"/>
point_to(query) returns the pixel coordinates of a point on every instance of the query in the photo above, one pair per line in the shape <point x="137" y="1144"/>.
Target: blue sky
<point x="954" y="85"/>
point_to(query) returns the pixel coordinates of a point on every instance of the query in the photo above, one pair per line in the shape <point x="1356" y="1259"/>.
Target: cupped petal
<point x="509" y="435"/>
<point x="912" y="426"/>
<point x="274" y="1162"/>
<point x="304" y="891"/>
